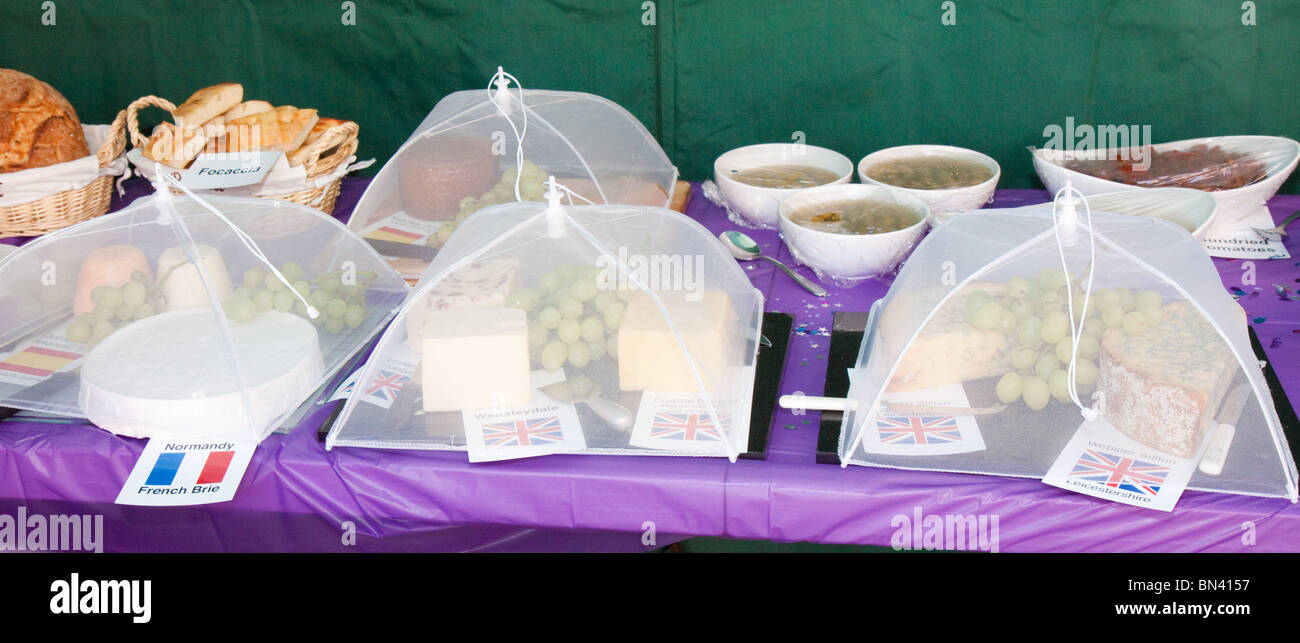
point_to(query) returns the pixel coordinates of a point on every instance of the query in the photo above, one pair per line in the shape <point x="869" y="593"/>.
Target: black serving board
<point x="846" y="341"/>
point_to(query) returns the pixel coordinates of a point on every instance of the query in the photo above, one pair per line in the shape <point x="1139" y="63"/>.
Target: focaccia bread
<point x="38" y="126"/>
<point x="299" y="156"/>
<point x="174" y="149"/>
<point x="948" y="350"/>
<point x="1163" y="387"/>
<point x="280" y="130"/>
<point x="247" y="108"/>
<point x="207" y="104"/>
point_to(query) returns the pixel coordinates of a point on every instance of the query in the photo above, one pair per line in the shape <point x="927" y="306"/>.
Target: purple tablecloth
<point x="296" y="495"/>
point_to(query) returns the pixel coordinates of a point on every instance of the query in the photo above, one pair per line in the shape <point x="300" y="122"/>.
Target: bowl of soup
<point x="755" y="179"/>
<point x="850" y="232"/>
<point x="949" y="179"/>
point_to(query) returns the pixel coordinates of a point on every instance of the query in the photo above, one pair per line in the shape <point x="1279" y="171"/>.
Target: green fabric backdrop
<point x="707" y="75"/>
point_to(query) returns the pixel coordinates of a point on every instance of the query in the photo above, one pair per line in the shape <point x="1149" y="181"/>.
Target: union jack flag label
<point x="690" y="427"/>
<point x="921" y="434"/>
<point x="911" y="429"/>
<point x="1120" y="472"/>
<point x="1100" y="461"/>
<point x="543" y="428"/>
<point x="524" y="432"/>
<point x="685" y="422"/>
<point x="385" y="386"/>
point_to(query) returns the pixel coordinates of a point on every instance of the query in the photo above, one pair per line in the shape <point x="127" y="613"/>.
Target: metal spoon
<point x="1278" y="231"/>
<point x="745" y="249"/>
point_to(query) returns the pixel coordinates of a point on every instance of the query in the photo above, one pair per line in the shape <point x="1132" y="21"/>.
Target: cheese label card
<point x="212" y="171"/>
<point x="545" y="427"/>
<point x="401" y="228"/>
<point x="1100" y="461"/>
<point x="904" y="426"/>
<point x="387" y="380"/>
<point x="682" y="422"/>
<point x="44" y="356"/>
<point x="1237" y="238"/>
<point x="191" y="472"/>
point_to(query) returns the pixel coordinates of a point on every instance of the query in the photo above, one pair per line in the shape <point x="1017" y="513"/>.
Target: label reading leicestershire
<point x="213" y="171"/>
<point x="191" y="472"/>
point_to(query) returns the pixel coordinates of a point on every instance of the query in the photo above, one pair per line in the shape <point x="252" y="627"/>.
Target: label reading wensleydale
<point x="213" y="171"/>
<point x="189" y="472"/>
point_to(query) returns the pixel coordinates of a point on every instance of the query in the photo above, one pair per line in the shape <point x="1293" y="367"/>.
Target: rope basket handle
<point x="116" y="142"/>
<point x="133" y="116"/>
<point x="342" y="136"/>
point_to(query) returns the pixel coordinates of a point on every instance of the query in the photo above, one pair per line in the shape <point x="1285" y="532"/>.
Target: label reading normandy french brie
<point x="188" y="472"/>
<point x="1100" y="461"/>
<point x="215" y="171"/>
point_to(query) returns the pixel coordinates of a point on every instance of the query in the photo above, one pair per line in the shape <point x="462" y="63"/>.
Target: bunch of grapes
<point x="116" y="307"/>
<point x="341" y="305"/>
<point x="570" y="319"/>
<point x="1034" y="316"/>
<point x="531" y="188"/>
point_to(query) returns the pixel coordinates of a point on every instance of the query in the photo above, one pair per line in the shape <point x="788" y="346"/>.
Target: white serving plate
<point x="758" y="205"/>
<point x="1282" y="154"/>
<point x="943" y="203"/>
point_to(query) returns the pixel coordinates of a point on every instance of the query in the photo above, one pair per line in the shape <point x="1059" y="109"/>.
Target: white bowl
<point x="1281" y="157"/>
<point x="1191" y="209"/>
<point x="759" y="205"/>
<point x="845" y="259"/>
<point x="943" y="203"/>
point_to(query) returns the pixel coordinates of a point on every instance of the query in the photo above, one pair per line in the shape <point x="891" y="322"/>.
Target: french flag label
<point x="187" y="472"/>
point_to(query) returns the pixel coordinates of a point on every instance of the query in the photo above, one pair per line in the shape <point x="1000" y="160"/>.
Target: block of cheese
<point x="180" y="280"/>
<point x="947" y="350"/>
<point x="651" y="359"/>
<point x="483" y="284"/>
<point x="106" y="266"/>
<point x="475" y="358"/>
<point x="1163" y="387"/>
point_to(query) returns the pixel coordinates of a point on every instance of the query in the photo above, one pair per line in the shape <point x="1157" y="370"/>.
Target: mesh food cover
<point x="551" y="328"/>
<point x="183" y="318"/>
<point x="1099" y="353"/>
<point x="490" y="146"/>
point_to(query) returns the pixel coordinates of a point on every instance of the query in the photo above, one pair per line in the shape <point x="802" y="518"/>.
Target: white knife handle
<point x="811" y="403"/>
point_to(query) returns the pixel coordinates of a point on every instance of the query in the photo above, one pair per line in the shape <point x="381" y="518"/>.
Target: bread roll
<point x="38" y="126"/>
<point x="248" y="108"/>
<point x="165" y="147"/>
<point x="207" y="104"/>
<point x="280" y="130"/>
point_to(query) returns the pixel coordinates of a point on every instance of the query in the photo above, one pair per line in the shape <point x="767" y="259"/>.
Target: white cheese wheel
<point x="173" y="375"/>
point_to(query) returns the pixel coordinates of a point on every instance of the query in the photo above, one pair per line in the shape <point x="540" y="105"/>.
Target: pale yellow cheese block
<point x="475" y="358"/>
<point x="651" y="359"/>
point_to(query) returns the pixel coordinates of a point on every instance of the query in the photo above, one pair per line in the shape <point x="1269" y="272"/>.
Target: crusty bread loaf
<point x="299" y="156"/>
<point x="207" y="104"/>
<point x="38" y="126"/>
<point x="280" y="130"/>
<point x="165" y="148"/>
<point x="248" y="108"/>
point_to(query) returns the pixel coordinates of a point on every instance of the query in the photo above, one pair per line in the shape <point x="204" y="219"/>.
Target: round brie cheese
<point x="192" y="373"/>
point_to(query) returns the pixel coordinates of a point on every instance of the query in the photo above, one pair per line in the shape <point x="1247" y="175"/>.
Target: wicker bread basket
<point x="58" y="211"/>
<point x="333" y="148"/>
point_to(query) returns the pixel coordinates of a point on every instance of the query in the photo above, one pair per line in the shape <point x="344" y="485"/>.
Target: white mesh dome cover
<point x="592" y="329"/>
<point x="165" y="320"/>
<point x="463" y="157"/>
<point x="1169" y="359"/>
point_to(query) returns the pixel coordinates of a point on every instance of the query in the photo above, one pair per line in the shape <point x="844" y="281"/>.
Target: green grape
<point x="581" y="386"/>
<point x="1152" y="315"/>
<point x="1085" y="375"/>
<point x="1021" y="309"/>
<point x="301" y="287"/>
<point x="241" y="310"/>
<point x="1045" y="365"/>
<point x="1030" y="332"/>
<point x="283" y="301"/>
<point x="549" y="283"/>
<point x="975" y="302"/>
<point x="537" y="335"/>
<point x="333" y="325"/>
<point x="145" y="310"/>
<point x="1065" y="350"/>
<point x="592" y="328"/>
<point x="603" y="300"/>
<point x="579" y="355"/>
<point x="318" y="298"/>
<point x="330" y="286"/>
<point x="1007" y="324"/>
<point x="613" y="315"/>
<point x="134" y="293"/>
<point x="124" y="313"/>
<point x="291" y="270"/>
<point x="106" y="296"/>
<point x="355" y="315"/>
<point x="1104" y="298"/>
<point x="549" y="317"/>
<point x="1023" y="358"/>
<point x="102" y="328"/>
<point x="1126" y="299"/>
<point x="336" y="308"/>
<point x="1055" y="326"/>
<point x="274" y="285"/>
<point x="569" y="330"/>
<point x="1051" y="280"/>
<point x="1076" y="306"/>
<point x="597" y="348"/>
<point x="1145" y="298"/>
<point x="521" y="300"/>
<point x="141" y="277"/>
<point x="245" y="292"/>
<point x="570" y="308"/>
<point x="1089" y="346"/>
<point x="1112" y="316"/>
<point x="611" y="346"/>
<point x="1035" y="393"/>
<point x="565" y="272"/>
<point x="265" y="300"/>
<point x="554" y="354"/>
<point x="1058" y="385"/>
<point x="78" y="331"/>
<point x="1135" y="324"/>
<point x="104" y="312"/>
<point x="1009" y="387"/>
<point x="626" y="294"/>
<point x="986" y="317"/>
<point x="1018" y="287"/>
<point x="254" y="277"/>
<point x="583" y="290"/>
